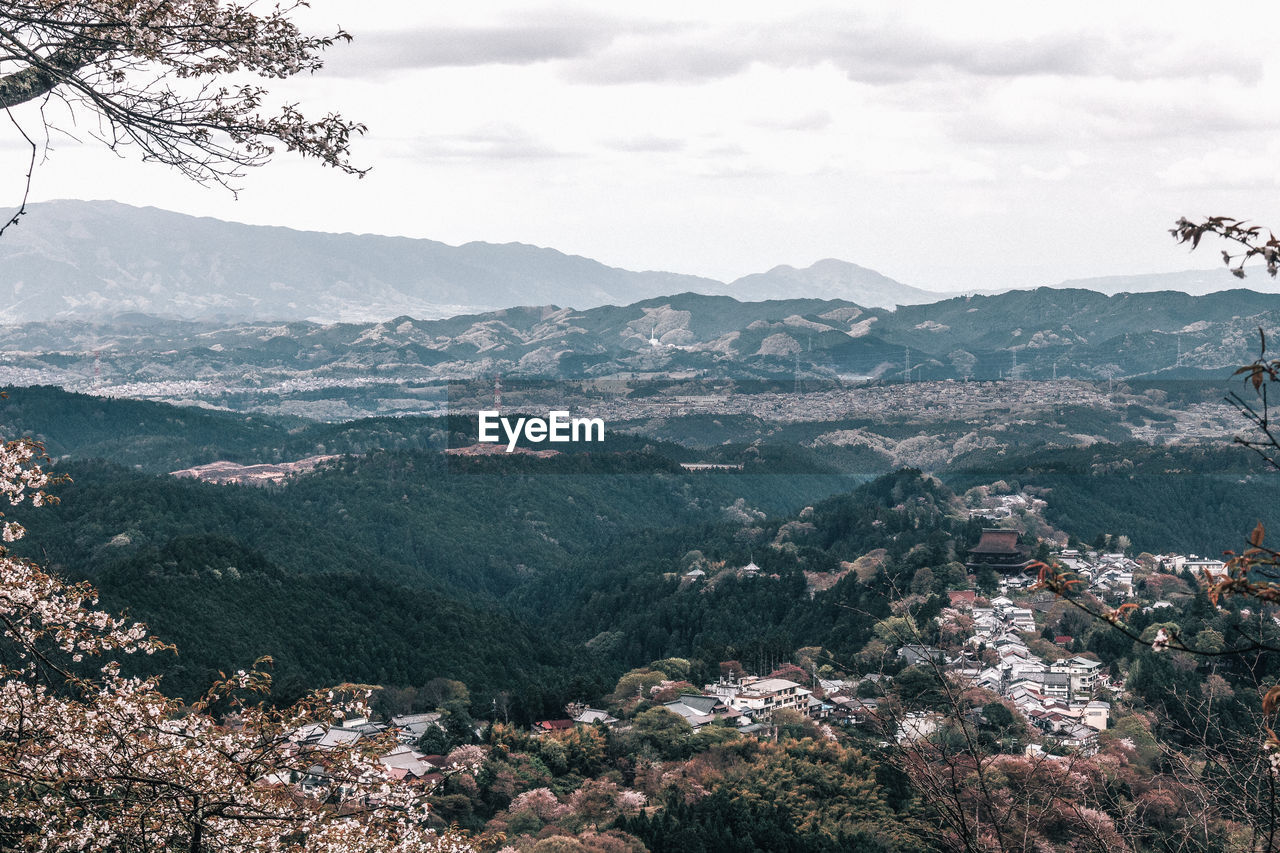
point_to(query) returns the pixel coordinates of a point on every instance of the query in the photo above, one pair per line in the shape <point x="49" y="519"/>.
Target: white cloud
<point x="1226" y="168"/>
<point x="724" y="138"/>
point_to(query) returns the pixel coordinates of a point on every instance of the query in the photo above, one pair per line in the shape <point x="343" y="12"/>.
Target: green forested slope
<point x="548" y="577"/>
<point x="1191" y="499"/>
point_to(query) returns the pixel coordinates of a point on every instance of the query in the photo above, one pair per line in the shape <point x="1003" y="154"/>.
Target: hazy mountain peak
<point x="73" y="259"/>
<point x="94" y="259"/>
<point x="831" y="278"/>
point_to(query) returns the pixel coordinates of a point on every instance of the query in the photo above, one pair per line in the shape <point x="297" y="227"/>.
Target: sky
<point x="948" y="145"/>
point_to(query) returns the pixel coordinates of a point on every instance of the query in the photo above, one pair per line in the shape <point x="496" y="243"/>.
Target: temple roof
<point x="997" y="542"/>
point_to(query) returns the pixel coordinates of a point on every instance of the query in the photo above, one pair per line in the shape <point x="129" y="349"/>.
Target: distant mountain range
<point x="403" y="364"/>
<point x="71" y="259"/>
<point x="95" y="260"/>
<point x="829" y="279"/>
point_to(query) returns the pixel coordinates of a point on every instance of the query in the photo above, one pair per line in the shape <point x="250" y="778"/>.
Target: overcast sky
<point x="948" y="145"/>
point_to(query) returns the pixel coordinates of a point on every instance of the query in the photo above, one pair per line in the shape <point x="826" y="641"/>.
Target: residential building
<point x="1097" y="715"/>
<point x="760" y="697"/>
<point x="1083" y="674"/>
<point x="915" y="655"/>
<point x="703" y="710"/>
<point x="411" y="727"/>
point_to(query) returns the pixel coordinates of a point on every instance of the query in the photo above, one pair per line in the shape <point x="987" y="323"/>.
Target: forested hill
<point x="1202" y="500"/>
<point x="548" y="577"/>
<point x="393" y="569"/>
<point x="393" y="566"/>
<point x="161" y="438"/>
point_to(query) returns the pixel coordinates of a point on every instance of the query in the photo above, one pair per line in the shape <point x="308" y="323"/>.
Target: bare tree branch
<point x="31" y="168"/>
<point x="172" y="78"/>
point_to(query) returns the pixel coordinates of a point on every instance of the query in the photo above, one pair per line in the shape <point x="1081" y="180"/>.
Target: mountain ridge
<point x="75" y="260"/>
<point x="345" y="370"/>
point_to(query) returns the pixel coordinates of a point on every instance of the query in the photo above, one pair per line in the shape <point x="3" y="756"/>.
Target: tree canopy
<point x="94" y="759"/>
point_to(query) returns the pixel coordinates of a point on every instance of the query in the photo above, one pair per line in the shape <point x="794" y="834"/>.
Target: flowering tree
<point x="171" y="77"/>
<point x="93" y="759"/>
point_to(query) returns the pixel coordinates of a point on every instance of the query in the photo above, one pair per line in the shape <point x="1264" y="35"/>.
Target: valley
<point x="821" y="547"/>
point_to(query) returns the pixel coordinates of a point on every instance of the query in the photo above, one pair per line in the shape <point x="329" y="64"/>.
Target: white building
<point x="760" y="697"/>
<point x="1083" y="674"/>
<point x="1022" y="619"/>
<point x="1199" y="566"/>
<point x="1096" y="715"/>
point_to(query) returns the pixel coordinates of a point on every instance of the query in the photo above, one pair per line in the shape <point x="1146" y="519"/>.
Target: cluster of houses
<point x="747" y="703"/>
<point x="1001" y="507"/>
<point x="402" y="762"/>
<point x="1108" y="576"/>
<point x="1059" y="696"/>
<point x="1056" y="697"/>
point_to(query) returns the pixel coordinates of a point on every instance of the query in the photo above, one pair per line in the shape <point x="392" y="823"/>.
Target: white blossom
<point x="94" y="760"/>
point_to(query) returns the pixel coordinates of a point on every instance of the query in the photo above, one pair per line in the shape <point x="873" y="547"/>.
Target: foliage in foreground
<point x="92" y="759"/>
